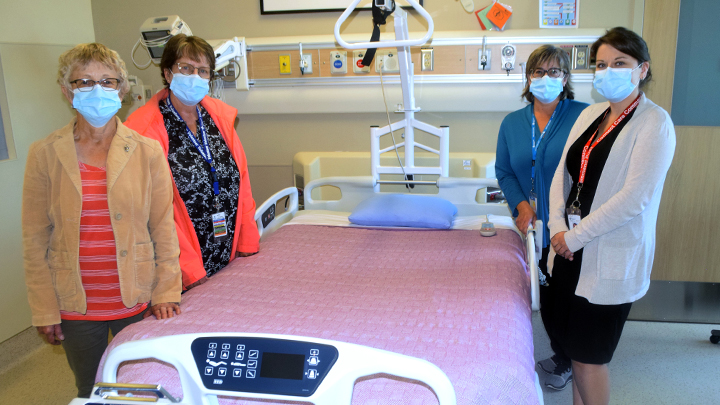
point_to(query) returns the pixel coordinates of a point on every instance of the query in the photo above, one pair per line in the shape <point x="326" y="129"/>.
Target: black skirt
<point x="584" y="332"/>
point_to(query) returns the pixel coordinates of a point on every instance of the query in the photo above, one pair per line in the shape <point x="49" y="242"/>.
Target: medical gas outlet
<point x="507" y="54"/>
<point x="285" y="68"/>
<point x="338" y="62"/>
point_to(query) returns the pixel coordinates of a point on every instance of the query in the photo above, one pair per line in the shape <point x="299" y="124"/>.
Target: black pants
<point x="84" y="344"/>
<point x="545" y="307"/>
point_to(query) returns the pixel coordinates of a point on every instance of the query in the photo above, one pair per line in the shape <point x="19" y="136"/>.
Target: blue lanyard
<point x="204" y="150"/>
<point x="535" y="145"/>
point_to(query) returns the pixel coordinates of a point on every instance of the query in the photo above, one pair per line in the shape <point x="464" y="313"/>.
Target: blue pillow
<point x="418" y="211"/>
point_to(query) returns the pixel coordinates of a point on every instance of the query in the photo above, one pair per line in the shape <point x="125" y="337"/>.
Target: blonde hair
<point x="81" y="55"/>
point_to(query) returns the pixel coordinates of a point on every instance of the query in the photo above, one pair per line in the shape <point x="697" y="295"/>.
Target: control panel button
<point x="313" y="360"/>
<point x="211" y="354"/>
<point x="224" y="354"/>
<point x="237" y="372"/>
<point x="239" y="355"/>
<point x="252" y="363"/>
<point x="212" y="346"/>
<point x="312" y="374"/>
<point x="226" y="346"/>
<point x="250" y="374"/>
<point x="222" y="371"/>
<point x="314" y="352"/>
<point x="241" y="347"/>
<point x="253" y="354"/>
<point x="208" y="370"/>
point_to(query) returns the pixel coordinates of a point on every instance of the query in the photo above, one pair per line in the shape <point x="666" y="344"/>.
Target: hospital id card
<point x="573" y="217"/>
<point x="533" y="201"/>
<point x="219" y="226"/>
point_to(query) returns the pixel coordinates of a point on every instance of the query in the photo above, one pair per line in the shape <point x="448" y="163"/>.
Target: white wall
<point x="33" y="34"/>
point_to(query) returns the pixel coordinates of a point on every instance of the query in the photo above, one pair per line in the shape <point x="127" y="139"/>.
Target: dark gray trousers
<point x="84" y="344"/>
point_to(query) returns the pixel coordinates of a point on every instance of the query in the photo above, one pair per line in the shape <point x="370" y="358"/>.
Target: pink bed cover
<point x="454" y="298"/>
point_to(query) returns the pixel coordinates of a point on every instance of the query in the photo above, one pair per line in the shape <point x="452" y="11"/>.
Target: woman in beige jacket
<point x="100" y="246"/>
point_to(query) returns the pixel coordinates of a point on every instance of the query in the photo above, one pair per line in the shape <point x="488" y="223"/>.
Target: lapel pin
<point x="127" y="148"/>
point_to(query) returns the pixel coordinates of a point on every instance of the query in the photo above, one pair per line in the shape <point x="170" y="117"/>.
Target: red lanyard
<point x="589" y="148"/>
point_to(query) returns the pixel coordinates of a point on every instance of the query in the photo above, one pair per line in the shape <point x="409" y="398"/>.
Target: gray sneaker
<point x="548" y="365"/>
<point x="559" y="378"/>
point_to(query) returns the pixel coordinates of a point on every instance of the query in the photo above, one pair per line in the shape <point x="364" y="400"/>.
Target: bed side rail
<point x="462" y="192"/>
<point x="352" y="189"/>
<point x="266" y="216"/>
<point x="533" y="243"/>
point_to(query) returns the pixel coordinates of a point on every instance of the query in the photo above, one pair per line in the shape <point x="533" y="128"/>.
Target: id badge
<point x="219" y="226"/>
<point x="533" y="201"/>
<point x="573" y="216"/>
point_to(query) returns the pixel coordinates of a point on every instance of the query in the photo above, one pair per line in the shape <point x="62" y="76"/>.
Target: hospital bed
<point x="451" y="297"/>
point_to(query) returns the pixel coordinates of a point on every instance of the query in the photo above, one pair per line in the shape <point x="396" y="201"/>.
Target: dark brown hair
<point x="189" y="46"/>
<point x="544" y="54"/>
<point x="628" y="43"/>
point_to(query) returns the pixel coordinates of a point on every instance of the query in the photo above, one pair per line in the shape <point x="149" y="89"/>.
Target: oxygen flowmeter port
<point x="307" y="63"/>
<point x="484" y="62"/>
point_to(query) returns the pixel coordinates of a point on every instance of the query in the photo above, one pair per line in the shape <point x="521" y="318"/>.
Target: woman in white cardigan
<point x="604" y="203"/>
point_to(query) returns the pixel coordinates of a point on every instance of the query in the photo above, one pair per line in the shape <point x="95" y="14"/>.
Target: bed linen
<point x="452" y="297"/>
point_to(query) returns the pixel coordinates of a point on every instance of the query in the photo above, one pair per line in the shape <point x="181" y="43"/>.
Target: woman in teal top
<point x="530" y="143"/>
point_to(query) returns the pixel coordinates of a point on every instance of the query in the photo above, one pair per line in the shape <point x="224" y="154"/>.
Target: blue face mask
<point x="615" y="84"/>
<point x="546" y="89"/>
<point x="97" y="106"/>
<point x="189" y="89"/>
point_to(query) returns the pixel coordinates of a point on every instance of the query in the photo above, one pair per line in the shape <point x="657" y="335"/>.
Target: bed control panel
<point x="262" y="365"/>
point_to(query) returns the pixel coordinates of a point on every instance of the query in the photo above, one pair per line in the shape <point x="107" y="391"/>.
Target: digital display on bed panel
<point x="260" y="365"/>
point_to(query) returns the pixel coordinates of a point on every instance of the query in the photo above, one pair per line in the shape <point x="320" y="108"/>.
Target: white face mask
<point x="615" y="84"/>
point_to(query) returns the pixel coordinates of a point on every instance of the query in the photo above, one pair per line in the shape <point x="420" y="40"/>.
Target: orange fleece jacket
<point x="148" y="121"/>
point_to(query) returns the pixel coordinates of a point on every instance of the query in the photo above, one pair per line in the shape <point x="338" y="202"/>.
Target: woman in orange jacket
<point x="212" y="200"/>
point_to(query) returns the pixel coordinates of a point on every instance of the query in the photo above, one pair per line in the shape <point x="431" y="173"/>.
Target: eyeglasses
<point x="87" y="84"/>
<point x="188" y="69"/>
<point x="552" y="72"/>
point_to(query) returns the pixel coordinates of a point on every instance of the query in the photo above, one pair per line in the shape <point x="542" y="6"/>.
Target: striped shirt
<point x="98" y="263"/>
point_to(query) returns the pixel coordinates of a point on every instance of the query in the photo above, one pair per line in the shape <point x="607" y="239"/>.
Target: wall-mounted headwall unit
<point x="450" y="75"/>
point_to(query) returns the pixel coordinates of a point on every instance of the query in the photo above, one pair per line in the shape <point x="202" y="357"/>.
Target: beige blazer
<point x="139" y="190"/>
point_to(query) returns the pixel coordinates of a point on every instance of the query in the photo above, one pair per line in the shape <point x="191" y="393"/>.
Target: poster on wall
<point x="559" y="13"/>
<point x="310" y="6"/>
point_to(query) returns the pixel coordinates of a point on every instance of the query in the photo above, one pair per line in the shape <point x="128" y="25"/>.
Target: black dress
<point x="194" y="183"/>
<point x="580" y="330"/>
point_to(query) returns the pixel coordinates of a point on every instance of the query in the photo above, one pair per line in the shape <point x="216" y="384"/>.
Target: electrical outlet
<point x="358" y="67"/>
<point x="285" y="68"/>
<point x="307" y="64"/>
<point x="428" y="59"/>
<point x="582" y="56"/>
<point x="387" y="61"/>
<point x="338" y="62"/>
<point x="488" y="54"/>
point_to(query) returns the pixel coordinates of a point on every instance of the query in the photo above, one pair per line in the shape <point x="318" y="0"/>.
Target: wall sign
<point x="309" y="6"/>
